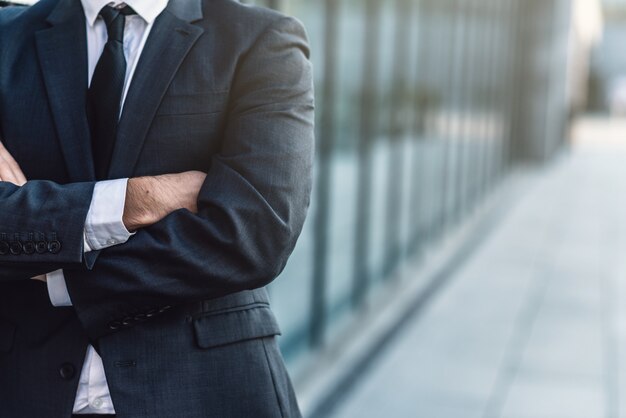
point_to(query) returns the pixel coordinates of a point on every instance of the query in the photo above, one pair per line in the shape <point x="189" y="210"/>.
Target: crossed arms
<point x="196" y="237"/>
<point x="148" y="199"/>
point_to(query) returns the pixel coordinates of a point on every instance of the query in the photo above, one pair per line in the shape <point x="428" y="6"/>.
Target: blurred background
<point x="465" y="251"/>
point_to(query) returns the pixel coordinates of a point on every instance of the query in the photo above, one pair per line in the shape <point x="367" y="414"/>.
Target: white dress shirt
<point x="103" y="226"/>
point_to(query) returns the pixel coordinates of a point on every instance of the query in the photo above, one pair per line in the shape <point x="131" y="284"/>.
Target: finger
<point x="17" y="171"/>
<point x="6" y="159"/>
<point x="3" y="151"/>
<point x="19" y="175"/>
<point x="6" y="173"/>
<point x="13" y="165"/>
<point x="16" y="176"/>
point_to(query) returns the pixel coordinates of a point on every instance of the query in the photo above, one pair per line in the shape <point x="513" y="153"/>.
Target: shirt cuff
<point x="57" y="289"/>
<point x="104" y="226"/>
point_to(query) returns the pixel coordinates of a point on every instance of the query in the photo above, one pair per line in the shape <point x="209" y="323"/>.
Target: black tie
<point x="105" y="91"/>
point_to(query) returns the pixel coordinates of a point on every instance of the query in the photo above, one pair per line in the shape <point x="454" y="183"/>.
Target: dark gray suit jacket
<point x="179" y="313"/>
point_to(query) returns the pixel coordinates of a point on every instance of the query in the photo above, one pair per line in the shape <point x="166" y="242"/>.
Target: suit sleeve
<point x="41" y="223"/>
<point x="41" y="227"/>
<point x="251" y="207"/>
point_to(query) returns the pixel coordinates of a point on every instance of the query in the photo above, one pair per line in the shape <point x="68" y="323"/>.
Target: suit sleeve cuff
<point x="57" y="289"/>
<point x="104" y="226"/>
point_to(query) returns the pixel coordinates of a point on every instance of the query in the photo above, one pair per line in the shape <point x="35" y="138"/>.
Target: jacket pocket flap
<point x="233" y="326"/>
<point x="7" y="334"/>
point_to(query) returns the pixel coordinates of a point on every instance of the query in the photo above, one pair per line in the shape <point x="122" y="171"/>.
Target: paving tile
<point x="534" y="324"/>
<point x="545" y="395"/>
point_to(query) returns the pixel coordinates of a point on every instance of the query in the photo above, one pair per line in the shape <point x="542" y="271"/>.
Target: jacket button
<point x="113" y="325"/>
<point x="67" y="371"/>
<point x="41" y="247"/>
<point x="141" y="317"/>
<point x="4" y="248"/>
<point x="54" y="247"/>
<point x="127" y="321"/>
<point x="164" y="308"/>
<point x="29" y="247"/>
<point x="151" y="312"/>
<point x="16" y="248"/>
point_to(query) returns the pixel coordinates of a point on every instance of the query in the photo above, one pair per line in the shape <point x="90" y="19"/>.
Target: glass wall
<point x="414" y="113"/>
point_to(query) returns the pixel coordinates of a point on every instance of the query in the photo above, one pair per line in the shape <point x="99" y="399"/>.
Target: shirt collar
<point x="148" y="10"/>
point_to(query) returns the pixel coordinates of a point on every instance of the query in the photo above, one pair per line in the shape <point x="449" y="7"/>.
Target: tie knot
<point x="114" y="20"/>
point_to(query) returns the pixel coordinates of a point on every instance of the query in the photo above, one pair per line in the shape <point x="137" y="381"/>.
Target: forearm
<point x="150" y="199"/>
<point x="43" y="224"/>
<point x="143" y="200"/>
<point x="186" y="257"/>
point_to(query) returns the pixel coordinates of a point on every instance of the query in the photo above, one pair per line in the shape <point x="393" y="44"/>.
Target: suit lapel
<point x="168" y="44"/>
<point x="62" y="51"/>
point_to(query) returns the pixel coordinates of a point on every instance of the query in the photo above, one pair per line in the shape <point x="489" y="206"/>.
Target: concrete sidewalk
<point x="534" y="324"/>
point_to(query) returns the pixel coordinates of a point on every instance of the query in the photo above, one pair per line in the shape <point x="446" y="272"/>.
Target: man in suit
<point x="155" y="172"/>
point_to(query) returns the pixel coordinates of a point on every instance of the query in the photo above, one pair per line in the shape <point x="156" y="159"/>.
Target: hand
<point x="10" y="171"/>
<point x="150" y="199"/>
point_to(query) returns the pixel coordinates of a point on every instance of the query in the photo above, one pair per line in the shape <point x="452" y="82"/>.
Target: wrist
<point x="139" y="209"/>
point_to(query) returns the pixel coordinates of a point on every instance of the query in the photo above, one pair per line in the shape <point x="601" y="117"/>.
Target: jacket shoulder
<point x="24" y="15"/>
<point x="238" y="11"/>
<point x="9" y="14"/>
<point x="247" y="20"/>
<point x="18" y="26"/>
